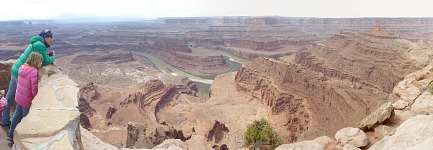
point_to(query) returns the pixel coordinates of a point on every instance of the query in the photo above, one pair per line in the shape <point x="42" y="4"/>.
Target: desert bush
<point x="430" y="87"/>
<point x="261" y="130"/>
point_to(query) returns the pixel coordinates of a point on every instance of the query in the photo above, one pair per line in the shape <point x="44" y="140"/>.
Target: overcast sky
<point x="67" y="9"/>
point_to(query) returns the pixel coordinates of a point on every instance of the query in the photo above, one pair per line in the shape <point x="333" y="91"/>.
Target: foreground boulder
<point x="414" y="133"/>
<point x="352" y="136"/>
<point x="53" y="120"/>
<point x="377" y="117"/>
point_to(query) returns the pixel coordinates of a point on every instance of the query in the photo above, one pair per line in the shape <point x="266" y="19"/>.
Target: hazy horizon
<point x="153" y="9"/>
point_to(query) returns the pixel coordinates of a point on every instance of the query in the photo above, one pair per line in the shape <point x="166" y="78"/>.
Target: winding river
<point x="169" y="69"/>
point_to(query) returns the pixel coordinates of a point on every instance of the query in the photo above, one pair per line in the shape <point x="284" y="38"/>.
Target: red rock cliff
<point x="309" y="103"/>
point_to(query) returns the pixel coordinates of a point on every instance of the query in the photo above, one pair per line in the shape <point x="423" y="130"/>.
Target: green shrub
<point x="430" y="87"/>
<point x="261" y="130"/>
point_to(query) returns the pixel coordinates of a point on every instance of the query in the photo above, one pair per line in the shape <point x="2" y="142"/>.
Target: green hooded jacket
<point x="36" y="44"/>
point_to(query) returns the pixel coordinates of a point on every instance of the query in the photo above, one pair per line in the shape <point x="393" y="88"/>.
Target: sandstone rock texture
<point x="352" y="136"/>
<point x="414" y="133"/>
<point x="333" y="83"/>
<point x="306" y="103"/>
<point x="311" y="145"/>
<point x="54" y="118"/>
<point x="377" y="117"/>
<point x="90" y="141"/>
<point x="153" y="96"/>
<point x="412" y="94"/>
<point x="326" y="142"/>
<point x="150" y="135"/>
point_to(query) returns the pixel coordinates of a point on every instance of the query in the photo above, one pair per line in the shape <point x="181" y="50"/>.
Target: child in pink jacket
<point x="27" y="88"/>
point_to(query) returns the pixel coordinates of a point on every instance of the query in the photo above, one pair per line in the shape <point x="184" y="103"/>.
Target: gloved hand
<point x="52" y="53"/>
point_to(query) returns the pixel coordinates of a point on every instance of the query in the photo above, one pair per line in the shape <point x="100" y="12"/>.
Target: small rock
<point x="400" y="104"/>
<point x="326" y="142"/>
<point x="380" y="115"/>
<point x="352" y="136"/>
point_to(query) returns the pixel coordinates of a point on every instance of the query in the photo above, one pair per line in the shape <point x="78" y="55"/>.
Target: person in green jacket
<point x="38" y="44"/>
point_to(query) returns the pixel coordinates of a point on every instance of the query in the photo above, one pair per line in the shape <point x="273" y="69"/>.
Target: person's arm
<point x="34" y="83"/>
<point x="41" y="49"/>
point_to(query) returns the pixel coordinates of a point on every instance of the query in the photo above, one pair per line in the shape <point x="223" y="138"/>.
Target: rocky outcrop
<point x="110" y="112"/>
<point x="86" y="111"/>
<point x="196" y="142"/>
<point x="218" y="131"/>
<point x="326" y="142"/>
<point x="183" y="84"/>
<point x="150" y="135"/>
<point x="154" y="95"/>
<point x="90" y="141"/>
<point x="85" y="108"/>
<point x="85" y="122"/>
<point x="415" y="133"/>
<point x="53" y="120"/>
<point x="89" y="92"/>
<point x="377" y="117"/>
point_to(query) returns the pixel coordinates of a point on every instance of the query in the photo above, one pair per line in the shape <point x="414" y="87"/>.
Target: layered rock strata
<point x="180" y="55"/>
<point x="407" y="128"/>
<point x="305" y="103"/>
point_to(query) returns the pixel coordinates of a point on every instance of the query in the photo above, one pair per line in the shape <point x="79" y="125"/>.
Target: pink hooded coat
<point x="27" y="86"/>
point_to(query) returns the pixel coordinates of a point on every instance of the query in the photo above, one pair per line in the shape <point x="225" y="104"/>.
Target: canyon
<point x="308" y="76"/>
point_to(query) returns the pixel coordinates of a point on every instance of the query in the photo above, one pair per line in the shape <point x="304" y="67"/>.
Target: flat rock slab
<point x="42" y="123"/>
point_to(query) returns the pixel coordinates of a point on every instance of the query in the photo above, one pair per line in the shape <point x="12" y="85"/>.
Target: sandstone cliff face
<point x="183" y="84"/>
<point x="87" y="94"/>
<point x="144" y="104"/>
<point x="154" y="95"/>
<point x="367" y="60"/>
<point x="305" y="102"/>
<point x="401" y="123"/>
